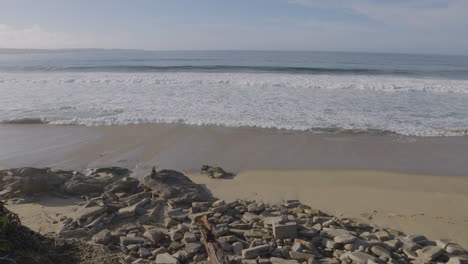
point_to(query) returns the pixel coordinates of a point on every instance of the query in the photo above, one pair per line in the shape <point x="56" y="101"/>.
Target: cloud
<point x="37" y="37"/>
<point x="413" y="14"/>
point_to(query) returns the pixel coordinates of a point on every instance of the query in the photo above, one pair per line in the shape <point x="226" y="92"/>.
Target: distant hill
<point x="34" y="51"/>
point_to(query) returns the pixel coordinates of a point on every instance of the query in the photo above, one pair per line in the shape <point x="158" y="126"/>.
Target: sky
<point x="407" y="26"/>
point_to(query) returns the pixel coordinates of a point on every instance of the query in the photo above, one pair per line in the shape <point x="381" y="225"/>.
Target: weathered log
<point x="216" y="254"/>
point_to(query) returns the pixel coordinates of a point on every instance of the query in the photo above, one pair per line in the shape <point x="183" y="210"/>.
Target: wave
<point x="318" y="103"/>
<point x="217" y="68"/>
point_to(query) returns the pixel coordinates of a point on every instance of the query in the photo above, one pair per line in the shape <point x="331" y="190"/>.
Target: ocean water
<point x="416" y="95"/>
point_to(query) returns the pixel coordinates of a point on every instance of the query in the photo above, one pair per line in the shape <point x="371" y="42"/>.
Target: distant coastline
<point x="36" y="51"/>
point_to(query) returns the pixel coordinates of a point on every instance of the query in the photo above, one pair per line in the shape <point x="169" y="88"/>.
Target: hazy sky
<point x="424" y="26"/>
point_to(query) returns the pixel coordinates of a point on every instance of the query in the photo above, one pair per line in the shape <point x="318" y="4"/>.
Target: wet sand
<point x="184" y="147"/>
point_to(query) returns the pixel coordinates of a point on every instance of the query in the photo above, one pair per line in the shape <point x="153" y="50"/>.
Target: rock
<point x="250" y="217"/>
<point x="103" y="237"/>
<point x="360" y="257"/>
<point x="144" y="252"/>
<point x="178" y="214"/>
<point x="165" y="258"/>
<point x="429" y="253"/>
<point x="254" y="252"/>
<point x="174" y="185"/>
<point x="344" y="239"/>
<point x="131" y="240"/>
<point x="80" y="184"/>
<point x="189" y="237"/>
<point x="237" y="248"/>
<point x="454" y="249"/>
<point x="85" y="212"/>
<point x="275" y="260"/>
<point x="213" y="172"/>
<point x="154" y="236"/>
<point x="300" y="255"/>
<point x="332" y="232"/>
<point x="77" y="233"/>
<point x="381" y="252"/>
<point x="286" y="230"/>
<point x="218" y="203"/>
<point x="382" y="235"/>
<point x="193" y="247"/>
<point x="457" y="260"/>
<point x="442" y="243"/>
<point x="126" y="184"/>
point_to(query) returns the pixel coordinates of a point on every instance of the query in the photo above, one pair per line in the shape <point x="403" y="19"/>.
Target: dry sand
<point x="43" y="216"/>
<point x="436" y="206"/>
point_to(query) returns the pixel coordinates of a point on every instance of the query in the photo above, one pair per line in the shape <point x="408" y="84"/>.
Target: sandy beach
<point x="417" y="185"/>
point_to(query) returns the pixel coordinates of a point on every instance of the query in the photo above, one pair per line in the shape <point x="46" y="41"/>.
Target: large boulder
<point x="26" y="181"/>
<point x="80" y="184"/>
<point x="177" y="187"/>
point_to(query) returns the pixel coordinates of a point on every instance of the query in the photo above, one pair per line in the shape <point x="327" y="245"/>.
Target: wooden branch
<point x="215" y="253"/>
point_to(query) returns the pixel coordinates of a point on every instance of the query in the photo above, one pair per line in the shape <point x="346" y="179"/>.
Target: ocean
<point x="405" y="94"/>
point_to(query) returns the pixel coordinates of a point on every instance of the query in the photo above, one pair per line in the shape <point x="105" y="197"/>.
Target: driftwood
<point x="216" y="254"/>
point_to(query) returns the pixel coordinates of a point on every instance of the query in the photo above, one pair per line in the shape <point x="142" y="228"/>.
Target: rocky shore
<point x="167" y="219"/>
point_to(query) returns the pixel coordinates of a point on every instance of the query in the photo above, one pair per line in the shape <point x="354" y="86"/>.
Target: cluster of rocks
<point x="23" y="182"/>
<point x="214" y="172"/>
<point x="158" y="220"/>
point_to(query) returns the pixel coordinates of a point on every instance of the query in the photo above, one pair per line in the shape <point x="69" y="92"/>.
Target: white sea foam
<point x="408" y="106"/>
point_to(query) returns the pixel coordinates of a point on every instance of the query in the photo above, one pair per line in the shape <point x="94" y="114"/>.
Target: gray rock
<point x="85" y="212"/>
<point x="144" y="252"/>
<point x="77" y="233"/>
<point x="237" y="248"/>
<point x="429" y="253"/>
<point x="275" y="260"/>
<point x="131" y="240"/>
<point x="360" y="257"/>
<point x="458" y="260"/>
<point x="381" y="252"/>
<point x="301" y="255"/>
<point x="189" y="237"/>
<point x="103" y="237"/>
<point x="166" y="258"/>
<point x="344" y="239"/>
<point x="176" y="186"/>
<point x="254" y="252"/>
<point x="286" y="230"/>
<point x="154" y="236"/>
<point x="250" y="217"/>
<point x="455" y="249"/>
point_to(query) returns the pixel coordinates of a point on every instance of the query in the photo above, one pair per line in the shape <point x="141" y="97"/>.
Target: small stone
<point x="381" y="252"/>
<point x="275" y="260"/>
<point x="251" y="217"/>
<point x="344" y="239"/>
<point x="300" y="255"/>
<point x="382" y="235"/>
<point x="189" y="237"/>
<point x="430" y="253"/>
<point x="102" y="237"/>
<point x="454" y="249"/>
<point x="133" y="247"/>
<point x="254" y="252"/>
<point x="144" y="252"/>
<point x="360" y="257"/>
<point x="218" y="203"/>
<point x="237" y="247"/>
<point x="166" y="258"/>
<point x="286" y="230"/>
<point x="154" y="235"/>
<point x="176" y="236"/>
<point x="457" y="260"/>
